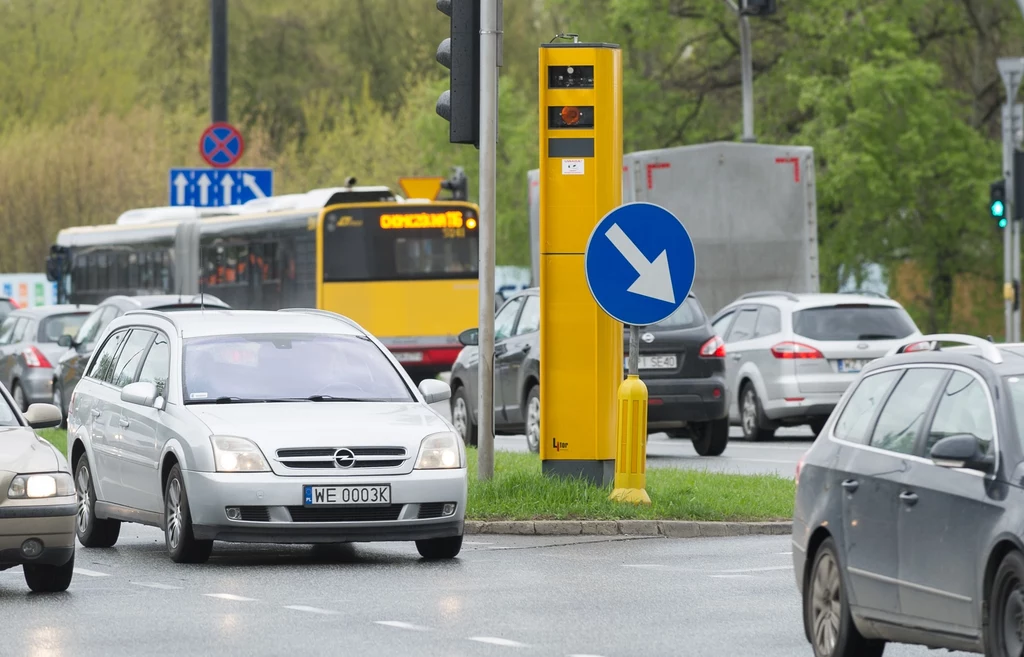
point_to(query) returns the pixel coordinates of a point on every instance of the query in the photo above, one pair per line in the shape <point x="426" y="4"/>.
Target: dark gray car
<point x="909" y="517"/>
<point x="69" y="368"/>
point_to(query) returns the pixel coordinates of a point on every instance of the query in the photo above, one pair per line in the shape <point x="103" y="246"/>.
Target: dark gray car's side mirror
<point x="470" y="337"/>
<point x="65" y="340"/>
<point x="962" y="451"/>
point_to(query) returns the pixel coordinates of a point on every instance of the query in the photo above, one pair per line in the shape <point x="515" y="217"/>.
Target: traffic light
<point x="757" y="7"/>
<point x="460" y="53"/>
<point x="457" y="184"/>
<point x="997" y="202"/>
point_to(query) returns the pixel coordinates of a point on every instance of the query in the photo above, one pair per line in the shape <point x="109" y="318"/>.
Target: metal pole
<point x="1007" y="232"/>
<point x="1016" y="124"/>
<point x="748" y="80"/>
<point x="488" y="202"/>
<point x="633" y="365"/>
<point x="219" y="60"/>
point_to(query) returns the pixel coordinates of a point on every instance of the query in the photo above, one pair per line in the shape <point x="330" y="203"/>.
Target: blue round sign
<point x="640" y="263"/>
<point x="221" y="145"/>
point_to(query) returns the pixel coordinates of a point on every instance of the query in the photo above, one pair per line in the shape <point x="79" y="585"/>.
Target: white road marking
<point x="403" y="625"/>
<point x="157" y="585"/>
<point x="90" y="573"/>
<point x="642" y="565"/>
<point x="786" y="554"/>
<point x="581" y="655"/>
<point x="496" y="641"/>
<point x="229" y="596"/>
<point x="311" y="610"/>
<point x="476" y="543"/>
<point x="754" y="570"/>
<point x="730" y="576"/>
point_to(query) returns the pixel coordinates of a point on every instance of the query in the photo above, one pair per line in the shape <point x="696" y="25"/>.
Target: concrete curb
<point x="668" y="528"/>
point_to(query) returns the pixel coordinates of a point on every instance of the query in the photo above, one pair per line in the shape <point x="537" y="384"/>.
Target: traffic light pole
<point x="218" y="60"/>
<point x="1011" y="69"/>
<point x="488" y="216"/>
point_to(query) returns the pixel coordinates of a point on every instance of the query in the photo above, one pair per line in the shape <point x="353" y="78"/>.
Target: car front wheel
<point x="92" y="532"/>
<point x="462" y="418"/>
<point x="827" y="611"/>
<point x="182" y="544"/>
<point x="533" y="419"/>
<point x="43" y="578"/>
<point x="440" y="548"/>
<point x="710" y="438"/>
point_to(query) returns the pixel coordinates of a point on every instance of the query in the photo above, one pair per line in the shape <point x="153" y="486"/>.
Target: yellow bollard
<point x="631" y="437"/>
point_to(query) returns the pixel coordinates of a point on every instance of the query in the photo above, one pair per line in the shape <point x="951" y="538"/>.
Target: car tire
<point x="1007" y="595"/>
<point x="817" y="426"/>
<point x="752" y="418"/>
<point x="462" y="417"/>
<point x="532" y="425"/>
<point x="92" y="532"/>
<point x="710" y="438"/>
<point x="44" y="578"/>
<point x="180" y="539"/>
<point x="440" y="548"/>
<point x="832" y="632"/>
<point x="18" y="394"/>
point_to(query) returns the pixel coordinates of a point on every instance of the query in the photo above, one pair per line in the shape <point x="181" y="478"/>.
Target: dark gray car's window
<point x="290" y="367"/>
<point x="904" y="411"/>
<point x="6" y="329"/>
<point x="853" y="322"/>
<point x="743" y="327"/>
<point x="506" y="318"/>
<point x="103" y="364"/>
<point x="529" y="319"/>
<point x="687" y="315"/>
<point x="53" y="327"/>
<point x="94" y="324"/>
<point x="130" y="358"/>
<point x="963" y="409"/>
<point x="158" y="364"/>
<point x="855" y="421"/>
<point x="769" y="322"/>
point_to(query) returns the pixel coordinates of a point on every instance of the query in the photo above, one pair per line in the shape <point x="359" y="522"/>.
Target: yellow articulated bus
<point x="404" y="268"/>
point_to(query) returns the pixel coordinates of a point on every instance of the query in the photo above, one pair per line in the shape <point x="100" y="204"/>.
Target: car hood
<point x="22" y="451"/>
<point x="274" y="426"/>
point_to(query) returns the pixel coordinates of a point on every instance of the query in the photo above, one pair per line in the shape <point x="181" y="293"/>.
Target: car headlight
<point x="439" y="451"/>
<point x="234" y="454"/>
<point x="33" y="486"/>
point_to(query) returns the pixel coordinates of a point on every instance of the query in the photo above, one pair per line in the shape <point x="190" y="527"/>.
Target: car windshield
<point x="53" y="327"/>
<point x="288" y="367"/>
<point x="687" y="315"/>
<point x="853" y="322"/>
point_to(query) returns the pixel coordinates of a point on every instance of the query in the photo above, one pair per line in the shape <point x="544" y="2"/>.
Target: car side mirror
<point x="470" y="337"/>
<point x="434" y="390"/>
<point x="142" y="393"/>
<point x="65" y="340"/>
<point x="961" y="451"/>
<point x="43" y="416"/>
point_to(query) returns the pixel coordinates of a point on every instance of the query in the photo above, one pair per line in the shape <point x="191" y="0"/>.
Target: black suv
<point x="682" y="362"/>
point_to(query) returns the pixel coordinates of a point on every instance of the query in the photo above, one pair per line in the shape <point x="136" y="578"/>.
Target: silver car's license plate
<point x="851" y="366"/>
<point x="375" y="494"/>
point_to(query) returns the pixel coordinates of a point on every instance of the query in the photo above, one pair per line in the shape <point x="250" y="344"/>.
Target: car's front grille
<point x="254" y="513"/>
<point x="345" y="514"/>
<point x="324" y="458"/>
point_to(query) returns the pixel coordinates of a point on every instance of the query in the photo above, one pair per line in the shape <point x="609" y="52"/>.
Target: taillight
<point x="919" y="346"/>
<point x="35" y="358"/>
<point x="713" y="348"/>
<point x="795" y="350"/>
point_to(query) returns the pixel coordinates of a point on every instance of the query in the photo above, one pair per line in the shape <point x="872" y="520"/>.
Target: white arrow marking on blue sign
<point x="249" y="181"/>
<point x="180" y="183"/>
<point x="227" y="183"/>
<point x="655" y="279"/>
<point x="204" y="189"/>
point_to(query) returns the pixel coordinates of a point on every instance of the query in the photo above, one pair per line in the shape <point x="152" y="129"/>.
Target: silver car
<point x="30" y="348"/>
<point x="792" y="356"/>
<point x="294" y="426"/>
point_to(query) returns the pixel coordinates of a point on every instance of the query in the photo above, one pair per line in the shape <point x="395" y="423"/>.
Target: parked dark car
<point x="68" y="370"/>
<point x="682" y="362"/>
<point x="909" y="517"/>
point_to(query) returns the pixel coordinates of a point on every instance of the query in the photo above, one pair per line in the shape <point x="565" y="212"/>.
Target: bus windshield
<point x="400" y="242"/>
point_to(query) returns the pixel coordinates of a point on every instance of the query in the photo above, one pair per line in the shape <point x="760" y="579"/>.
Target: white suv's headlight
<point x="439" y="451"/>
<point x="33" y="486"/>
<point x="234" y="454"/>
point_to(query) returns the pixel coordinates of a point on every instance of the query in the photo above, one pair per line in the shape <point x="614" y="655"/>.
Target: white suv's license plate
<point x="850" y="366"/>
<point x="375" y="494"/>
<point x="654" y="362"/>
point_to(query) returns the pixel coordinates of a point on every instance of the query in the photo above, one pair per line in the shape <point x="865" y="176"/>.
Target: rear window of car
<point x="53" y="327"/>
<point x="688" y="315"/>
<point x="853" y="322"/>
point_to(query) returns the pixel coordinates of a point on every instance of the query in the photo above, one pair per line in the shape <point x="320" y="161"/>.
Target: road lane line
<point x="496" y="641"/>
<point x="785" y="554"/>
<point x="229" y="596"/>
<point x="311" y="610"/>
<point x="754" y="570"/>
<point x="90" y="573"/>
<point x="157" y="585"/>
<point x="403" y="625"/>
<point x="730" y="577"/>
<point x="476" y="543"/>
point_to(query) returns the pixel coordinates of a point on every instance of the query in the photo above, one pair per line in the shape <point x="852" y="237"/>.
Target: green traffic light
<point x="998" y="210"/>
<point x="1002" y="223"/>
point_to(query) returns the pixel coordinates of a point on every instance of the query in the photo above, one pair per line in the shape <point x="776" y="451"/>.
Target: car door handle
<point x="123" y="422"/>
<point x="525" y="348"/>
<point x="95" y="412"/>
<point x="910" y="499"/>
<point x="851" y="485"/>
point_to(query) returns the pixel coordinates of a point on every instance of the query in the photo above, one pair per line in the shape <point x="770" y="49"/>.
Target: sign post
<point x="1011" y="69"/>
<point x="640" y="266"/>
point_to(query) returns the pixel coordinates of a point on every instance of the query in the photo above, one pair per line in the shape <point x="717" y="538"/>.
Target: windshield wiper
<point x="332" y="398"/>
<point x="231" y="400"/>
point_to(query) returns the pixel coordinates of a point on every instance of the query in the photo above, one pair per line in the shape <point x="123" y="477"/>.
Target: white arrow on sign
<point x="204" y="189"/>
<point x="227" y="183"/>
<point x="655" y="279"/>
<point x="249" y="181"/>
<point x="180" y="183"/>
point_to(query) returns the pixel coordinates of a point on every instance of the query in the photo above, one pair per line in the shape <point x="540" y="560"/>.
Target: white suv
<point x="792" y="356"/>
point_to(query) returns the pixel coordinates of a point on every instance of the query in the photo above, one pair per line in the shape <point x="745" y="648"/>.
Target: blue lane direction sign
<point x="640" y="263"/>
<point x="212" y="188"/>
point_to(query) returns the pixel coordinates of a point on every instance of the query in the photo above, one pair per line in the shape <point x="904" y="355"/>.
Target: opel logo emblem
<point x="647" y="337"/>
<point x="345" y="458"/>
